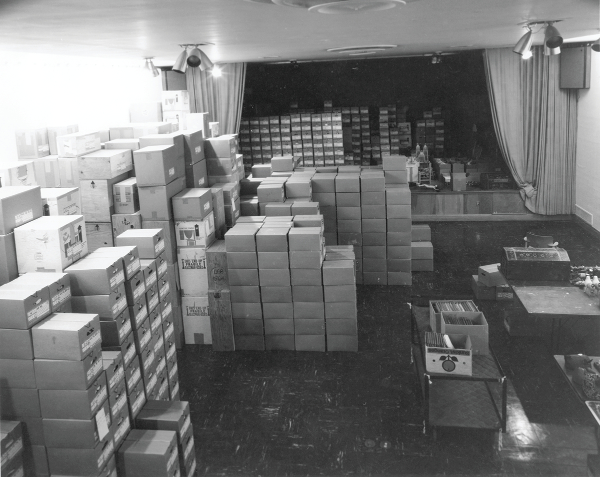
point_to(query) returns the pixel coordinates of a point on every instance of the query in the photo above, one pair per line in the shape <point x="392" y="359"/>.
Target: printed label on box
<point x="94" y="369"/>
<point x="123" y="428"/>
<point x="120" y="374"/>
<point x="120" y="305"/>
<point x="61" y="297"/>
<point x="101" y="424"/>
<point x="117" y="279"/>
<point x="41" y="310"/>
<point x="155" y="325"/>
<point x="98" y="400"/>
<point x="133" y="267"/>
<point x="106" y="454"/>
<point x="162" y="269"/>
<point x="174" y="392"/>
<point x="172" y="460"/>
<point x="171" y="171"/>
<point x="139" y="402"/>
<point x="173" y="372"/>
<point x="153" y="302"/>
<point x="171" y="351"/>
<point x="164" y="290"/>
<point x="141" y="315"/>
<point x="162" y="364"/>
<point x="91" y="341"/>
<point x="151" y="280"/>
<point x="151" y="384"/>
<point x="24" y="217"/>
<point x="193" y="467"/>
<point x="124" y="331"/>
<point x="159" y="345"/>
<point x="188" y="448"/>
<point x="120" y="404"/>
<point x="169" y="331"/>
<point x="139" y="291"/>
<point x="144" y="341"/>
<point x="75" y="249"/>
<point x="129" y="355"/>
<point x="159" y="247"/>
<point x="71" y="209"/>
<point x="13" y="449"/>
<point x="163" y="388"/>
<point x="186" y="424"/>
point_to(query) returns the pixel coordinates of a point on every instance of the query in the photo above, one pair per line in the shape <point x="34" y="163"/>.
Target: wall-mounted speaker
<point x="575" y="67"/>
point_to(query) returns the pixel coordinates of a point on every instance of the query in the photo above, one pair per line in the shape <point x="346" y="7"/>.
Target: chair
<point x="539" y="241"/>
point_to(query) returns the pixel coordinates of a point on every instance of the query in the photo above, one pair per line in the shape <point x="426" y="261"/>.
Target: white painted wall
<point x="40" y="91"/>
<point x="588" y="147"/>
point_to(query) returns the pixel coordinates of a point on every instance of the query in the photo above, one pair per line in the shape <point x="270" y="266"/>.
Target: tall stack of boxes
<point x="374" y="240"/>
<point x="195" y="231"/>
<point x="349" y="212"/>
<point x="176" y="109"/>
<point x="323" y="192"/>
<point x="99" y="171"/>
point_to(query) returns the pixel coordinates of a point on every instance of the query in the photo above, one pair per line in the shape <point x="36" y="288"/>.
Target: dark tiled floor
<point x="286" y="413"/>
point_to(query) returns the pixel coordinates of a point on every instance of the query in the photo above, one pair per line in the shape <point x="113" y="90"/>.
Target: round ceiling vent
<point x="355" y="6"/>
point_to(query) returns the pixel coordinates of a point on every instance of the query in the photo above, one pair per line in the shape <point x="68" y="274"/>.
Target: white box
<point x="193" y="276"/>
<point x="32" y="143"/>
<point x="55" y="131"/>
<point x="69" y="171"/>
<point x="196" y="320"/>
<point x="143" y="129"/>
<point x="490" y="275"/>
<point x="47" y="171"/>
<point x="175" y="101"/>
<point x="442" y="360"/>
<point x="145" y="112"/>
<point x="178" y="119"/>
<point x="478" y="331"/>
<point x="78" y="144"/>
<point x="105" y="164"/>
<point x="61" y="201"/>
<point x="17" y="173"/>
<point x="50" y="243"/>
<point x="199" y="233"/>
<point x="199" y="122"/>
<point x="214" y="129"/>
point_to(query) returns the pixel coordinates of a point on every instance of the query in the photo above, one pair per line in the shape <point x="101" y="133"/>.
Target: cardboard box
<point x="437" y="306"/>
<point x="443" y="360"/>
<point x="192" y="204"/>
<point x="61" y="201"/>
<point x="74" y="404"/>
<point x="196" y="175"/>
<point x="8" y="256"/>
<point x="20" y="403"/>
<point x="421" y="233"/>
<point x="149" y="242"/>
<point x="17" y="173"/>
<point x="196" y="320"/>
<point x="158" y="165"/>
<point x="342" y="343"/>
<point x="279" y="294"/>
<point x="339" y="272"/>
<point x="155" y="201"/>
<point x="150" y="458"/>
<point x="15" y="344"/>
<point x="96" y="275"/>
<point x="223" y="146"/>
<point x="241" y="239"/>
<point x="32" y="143"/>
<point x="106" y="306"/>
<point x="310" y="342"/>
<point x="245" y="294"/>
<point x="17" y="373"/>
<point x="273" y="260"/>
<point x="175" y="100"/>
<point x="78" y="143"/>
<point x="251" y="311"/>
<point x="193" y="144"/>
<point x="18" y="206"/>
<point x="305" y="239"/>
<point x="22" y="308"/>
<point x="272" y="277"/>
<point x="490" y="275"/>
<point x="305" y="276"/>
<point x="192" y="271"/>
<point x="422" y="250"/>
<point x="128" y="143"/>
<point x="306" y="259"/>
<point x="278" y="209"/>
<point x="80" y="461"/>
<point x="175" y="139"/>
<point x="144" y="129"/>
<point x="270" y="192"/>
<point x="66" y="336"/>
<point x="199" y="233"/>
<point x="97" y="202"/>
<point x="123" y="222"/>
<point x="47" y="171"/>
<point x="69" y="374"/>
<point x="68" y="172"/>
<point x="114" y="332"/>
<point x="451" y="323"/>
<point x="125" y="196"/>
<point x="105" y="164"/>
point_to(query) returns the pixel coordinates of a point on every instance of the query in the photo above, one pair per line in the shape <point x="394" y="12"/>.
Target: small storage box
<point x="457" y="323"/>
<point x="442" y="360"/>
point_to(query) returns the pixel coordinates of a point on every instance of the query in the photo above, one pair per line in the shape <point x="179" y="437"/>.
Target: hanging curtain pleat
<point x="222" y="98"/>
<point x="536" y="125"/>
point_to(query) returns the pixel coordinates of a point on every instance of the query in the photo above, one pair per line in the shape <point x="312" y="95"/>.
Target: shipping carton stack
<point x="172" y="417"/>
<point x="32" y="143"/>
<point x="155" y="316"/>
<point x="73" y="394"/>
<point x="244" y="285"/>
<point x="219" y="211"/>
<point x="18" y="173"/>
<point x="339" y="286"/>
<point x="323" y="192"/>
<point x="196" y="174"/>
<point x="272" y="191"/>
<point x="223" y="162"/>
<point x="11" y="448"/>
<point x="399" y="220"/>
<point x="195" y="231"/>
<point x="99" y="171"/>
<point x="231" y="202"/>
<point x="374" y="239"/>
<point x="176" y="109"/>
<point x="71" y="146"/>
<point x="490" y="284"/>
<point x="219" y="298"/>
<point x="149" y="454"/>
<point x="349" y="213"/>
<point x="18" y="206"/>
<point x="132" y="131"/>
<point x="61" y="201"/>
<point x="21" y="308"/>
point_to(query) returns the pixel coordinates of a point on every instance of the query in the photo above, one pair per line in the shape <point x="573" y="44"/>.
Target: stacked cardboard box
<point x="323" y="192"/>
<point x="223" y="162"/>
<point x="195" y="231"/>
<point x="160" y="417"/>
<point x="155" y="315"/>
<point x="490" y="284"/>
<point x="196" y="174"/>
<point x="219" y="297"/>
<point x="61" y="201"/>
<point x="32" y="143"/>
<point x="176" y="109"/>
<point x="11" y="445"/>
<point x="244" y="285"/>
<point x="430" y="131"/>
<point x="18" y="173"/>
<point x="24" y="303"/>
<point x="149" y="453"/>
<point x="145" y="112"/>
<point x="73" y="394"/>
<point x="373" y="213"/>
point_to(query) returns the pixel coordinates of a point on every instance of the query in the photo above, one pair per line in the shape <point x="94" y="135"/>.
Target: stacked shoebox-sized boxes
<point x="195" y="231"/>
<point x="430" y="131"/>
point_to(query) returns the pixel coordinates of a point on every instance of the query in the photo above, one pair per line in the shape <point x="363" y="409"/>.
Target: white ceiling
<point x="244" y="31"/>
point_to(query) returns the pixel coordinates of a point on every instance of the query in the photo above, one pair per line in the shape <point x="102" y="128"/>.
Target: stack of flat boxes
<point x="99" y="171"/>
<point x="176" y="109"/>
<point x="349" y="214"/>
<point x="22" y="306"/>
<point x="153" y="319"/>
<point x="73" y="392"/>
<point x="18" y="206"/>
<point x="307" y="252"/>
<point x="195" y="229"/>
<point x="339" y="286"/>
<point x="374" y="240"/>
<point x="275" y="284"/>
<point x="244" y="285"/>
<point x="399" y="220"/>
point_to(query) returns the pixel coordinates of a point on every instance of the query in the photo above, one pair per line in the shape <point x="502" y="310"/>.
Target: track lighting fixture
<point x="151" y="68"/>
<point x="552" y="39"/>
<point x="194" y="59"/>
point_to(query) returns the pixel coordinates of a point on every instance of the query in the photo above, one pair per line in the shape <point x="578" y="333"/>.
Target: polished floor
<point x="286" y="413"/>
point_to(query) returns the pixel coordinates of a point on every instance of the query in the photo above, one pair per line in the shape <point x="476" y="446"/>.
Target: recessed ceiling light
<point x="355" y="6"/>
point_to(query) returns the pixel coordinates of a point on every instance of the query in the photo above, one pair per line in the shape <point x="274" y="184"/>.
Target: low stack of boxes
<point x="195" y="231"/>
<point x="99" y="171"/>
<point x="490" y="284"/>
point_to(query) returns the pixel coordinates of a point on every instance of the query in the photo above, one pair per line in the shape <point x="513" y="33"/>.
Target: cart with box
<point x="475" y="400"/>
